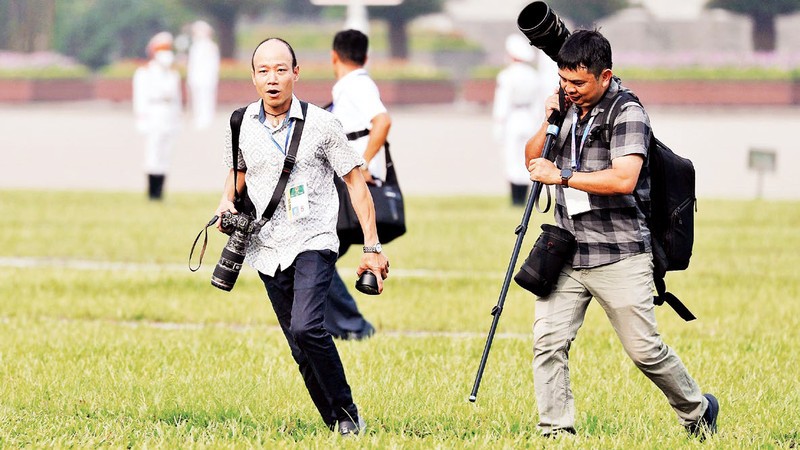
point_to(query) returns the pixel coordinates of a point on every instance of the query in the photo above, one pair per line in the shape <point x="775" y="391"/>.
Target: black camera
<point x="543" y="28"/>
<point x="240" y="227"/>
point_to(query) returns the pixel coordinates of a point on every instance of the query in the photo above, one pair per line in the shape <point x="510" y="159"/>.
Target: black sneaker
<point x="559" y="432"/>
<point x="707" y="425"/>
<point x="349" y="428"/>
<point x="362" y="335"/>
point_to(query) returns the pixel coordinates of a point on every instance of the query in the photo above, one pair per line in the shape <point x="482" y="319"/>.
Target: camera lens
<point x="543" y="28"/>
<point x="368" y="283"/>
<point x="227" y="270"/>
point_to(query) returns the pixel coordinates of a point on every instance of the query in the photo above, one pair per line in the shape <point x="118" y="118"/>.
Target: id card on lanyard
<point x="577" y="201"/>
<point x="296" y="194"/>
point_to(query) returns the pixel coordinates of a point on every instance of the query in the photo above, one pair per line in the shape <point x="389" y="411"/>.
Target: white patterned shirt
<point x="323" y="150"/>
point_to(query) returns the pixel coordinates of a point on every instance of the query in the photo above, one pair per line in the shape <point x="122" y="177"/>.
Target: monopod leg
<point x="498" y="308"/>
<point x="552" y="132"/>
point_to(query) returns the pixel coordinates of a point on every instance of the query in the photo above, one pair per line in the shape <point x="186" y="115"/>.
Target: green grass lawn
<point x="107" y="339"/>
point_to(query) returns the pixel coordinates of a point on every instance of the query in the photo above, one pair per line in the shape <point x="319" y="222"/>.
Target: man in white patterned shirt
<point x="295" y="251"/>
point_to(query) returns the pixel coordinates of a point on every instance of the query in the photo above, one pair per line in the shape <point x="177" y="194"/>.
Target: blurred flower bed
<point x="40" y="65"/>
<point x="630" y="66"/>
<point x="717" y="66"/>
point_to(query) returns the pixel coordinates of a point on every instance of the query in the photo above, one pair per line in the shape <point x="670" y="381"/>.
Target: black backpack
<point x="671" y="207"/>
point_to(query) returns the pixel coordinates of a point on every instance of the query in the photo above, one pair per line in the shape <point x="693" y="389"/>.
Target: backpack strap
<point x="236" y="127"/>
<point x="670" y="299"/>
<point x="623" y="97"/>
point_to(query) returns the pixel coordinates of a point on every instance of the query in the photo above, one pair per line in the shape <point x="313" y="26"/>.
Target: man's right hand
<point x="551" y="105"/>
<point x="224" y="206"/>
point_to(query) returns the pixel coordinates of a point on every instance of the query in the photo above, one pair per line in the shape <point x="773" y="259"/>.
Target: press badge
<point x="577" y="201"/>
<point x="296" y="197"/>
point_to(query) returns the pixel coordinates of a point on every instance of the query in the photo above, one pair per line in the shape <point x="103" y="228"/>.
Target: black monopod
<point x="545" y="30"/>
<point x="552" y="131"/>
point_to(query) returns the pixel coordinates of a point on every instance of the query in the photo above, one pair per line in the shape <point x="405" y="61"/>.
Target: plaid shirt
<point x="615" y="227"/>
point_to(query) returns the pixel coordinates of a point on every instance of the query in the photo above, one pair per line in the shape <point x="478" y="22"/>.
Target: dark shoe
<point x="558" y="432"/>
<point x="364" y="334"/>
<point x="707" y="425"/>
<point x="349" y="428"/>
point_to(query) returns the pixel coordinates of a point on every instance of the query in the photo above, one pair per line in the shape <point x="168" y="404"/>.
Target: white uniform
<point x="518" y="113"/>
<point x="202" y="77"/>
<point x="356" y="101"/>
<point x="157" y="106"/>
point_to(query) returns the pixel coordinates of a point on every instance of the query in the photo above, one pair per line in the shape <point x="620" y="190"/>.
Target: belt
<point x="357" y="134"/>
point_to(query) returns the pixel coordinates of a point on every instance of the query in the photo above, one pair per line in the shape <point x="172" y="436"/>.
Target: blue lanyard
<point x="286" y="144"/>
<point x="576" y="153"/>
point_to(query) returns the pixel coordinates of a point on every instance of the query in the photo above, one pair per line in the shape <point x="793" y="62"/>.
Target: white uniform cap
<point x="201" y="28"/>
<point x="518" y="48"/>
<point x="161" y="41"/>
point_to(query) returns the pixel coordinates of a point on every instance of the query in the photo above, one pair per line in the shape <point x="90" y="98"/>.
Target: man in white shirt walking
<point x="357" y="104"/>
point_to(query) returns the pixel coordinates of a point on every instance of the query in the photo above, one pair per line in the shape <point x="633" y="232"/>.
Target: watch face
<point x="566" y="173"/>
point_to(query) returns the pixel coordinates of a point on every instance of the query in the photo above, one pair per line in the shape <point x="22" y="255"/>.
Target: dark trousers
<point x="298" y="294"/>
<point x="155" y="186"/>
<point x="519" y="194"/>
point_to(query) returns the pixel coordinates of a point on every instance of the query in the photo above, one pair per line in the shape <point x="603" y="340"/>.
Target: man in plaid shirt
<point x="595" y="183"/>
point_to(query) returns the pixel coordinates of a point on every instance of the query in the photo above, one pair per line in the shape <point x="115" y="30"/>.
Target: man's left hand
<point x="544" y="171"/>
<point x="376" y="263"/>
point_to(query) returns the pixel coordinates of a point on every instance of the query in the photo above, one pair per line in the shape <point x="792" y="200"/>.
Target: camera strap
<point x="288" y="165"/>
<point x="205" y="243"/>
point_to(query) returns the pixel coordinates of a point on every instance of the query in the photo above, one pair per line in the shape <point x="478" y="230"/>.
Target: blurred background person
<point x="157" y="107"/>
<point x="358" y="106"/>
<point x="519" y="93"/>
<point x="202" y="74"/>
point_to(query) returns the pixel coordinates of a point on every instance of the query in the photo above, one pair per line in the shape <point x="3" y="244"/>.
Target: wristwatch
<point x="566" y="174"/>
<point x="377" y="248"/>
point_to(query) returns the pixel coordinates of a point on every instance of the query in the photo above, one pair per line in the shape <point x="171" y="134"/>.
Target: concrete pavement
<point x="439" y="150"/>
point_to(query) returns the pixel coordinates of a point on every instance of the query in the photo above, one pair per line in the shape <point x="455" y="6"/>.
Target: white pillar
<point x="357" y="17"/>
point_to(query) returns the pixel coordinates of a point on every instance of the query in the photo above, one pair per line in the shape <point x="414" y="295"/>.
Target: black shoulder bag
<point x="390" y="217"/>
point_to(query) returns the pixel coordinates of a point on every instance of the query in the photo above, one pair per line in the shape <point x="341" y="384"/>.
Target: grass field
<point x="107" y="339"/>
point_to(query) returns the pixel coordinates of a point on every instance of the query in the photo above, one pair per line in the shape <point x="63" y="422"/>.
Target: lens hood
<point x="367" y="283"/>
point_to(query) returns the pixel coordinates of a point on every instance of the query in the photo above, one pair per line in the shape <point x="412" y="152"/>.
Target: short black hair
<point x="588" y="49"/>
<point x="351" y="45"/>
<point x="291" y="50"/>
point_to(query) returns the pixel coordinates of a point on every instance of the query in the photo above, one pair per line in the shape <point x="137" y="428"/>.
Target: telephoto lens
<point x="367" y="283"/>
<point x="543" y="28"/>
<point x="230" y="262"/>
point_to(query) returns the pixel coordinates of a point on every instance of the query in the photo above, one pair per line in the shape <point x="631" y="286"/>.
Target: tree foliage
<point x="586" y="13"/>
<point x="398" y="18"/>
<point x="763" y="14"/>
<point x="97" y="31"/>
<point x="224" y="14"/>
<point x="26" y="25"/>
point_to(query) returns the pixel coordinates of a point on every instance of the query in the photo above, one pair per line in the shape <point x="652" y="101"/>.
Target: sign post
<point x="761" y="161"/>
<point x="357" y="18"/>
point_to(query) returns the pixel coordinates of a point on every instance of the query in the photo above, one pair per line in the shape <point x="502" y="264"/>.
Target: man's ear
<point x="605" y="77"/>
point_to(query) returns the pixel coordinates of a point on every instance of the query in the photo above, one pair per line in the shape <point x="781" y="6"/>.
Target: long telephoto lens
<point x="543" y="28"/>
<point x="230" y="262"/>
